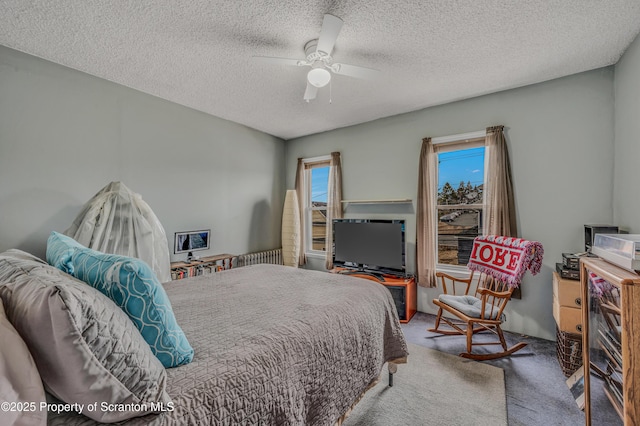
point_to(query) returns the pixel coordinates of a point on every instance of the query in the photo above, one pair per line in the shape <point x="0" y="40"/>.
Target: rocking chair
<point x="475" y="313"/>
<point x="500" y="263"/>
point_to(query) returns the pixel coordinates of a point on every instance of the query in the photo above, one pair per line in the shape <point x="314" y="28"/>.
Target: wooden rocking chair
<point x="477" y="312"/>
<point x="501" y="263"/>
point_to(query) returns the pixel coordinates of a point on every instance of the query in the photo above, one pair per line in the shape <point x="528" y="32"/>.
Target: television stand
<point x="377" y="275"/>
<point x="403" y="289"/>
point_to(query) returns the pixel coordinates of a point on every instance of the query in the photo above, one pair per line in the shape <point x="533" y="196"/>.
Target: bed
<point x="274" y="345"/>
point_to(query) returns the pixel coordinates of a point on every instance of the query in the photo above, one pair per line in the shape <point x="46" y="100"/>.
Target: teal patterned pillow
<point x="59" y="251"/>
<point x="133" y="286"/>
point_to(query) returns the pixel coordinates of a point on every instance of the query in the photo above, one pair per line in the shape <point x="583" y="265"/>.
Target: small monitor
<point x="186" y="242"/>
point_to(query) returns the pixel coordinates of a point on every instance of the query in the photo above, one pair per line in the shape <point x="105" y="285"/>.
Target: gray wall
<point x="560" y="136"/>
<point x="64" y="135"/>
<point x="626" y="195"/>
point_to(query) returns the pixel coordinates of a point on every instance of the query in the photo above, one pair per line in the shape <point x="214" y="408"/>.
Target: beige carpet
<point x="435" y="388"/>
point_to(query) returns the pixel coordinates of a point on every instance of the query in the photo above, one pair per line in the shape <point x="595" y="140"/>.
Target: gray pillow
<point x="86" y="348"/>
<point x="20" y="383"/>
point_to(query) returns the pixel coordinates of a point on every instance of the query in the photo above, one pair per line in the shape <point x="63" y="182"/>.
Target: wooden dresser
<point x="567" y="304"/>
<point x="567" y="311"/>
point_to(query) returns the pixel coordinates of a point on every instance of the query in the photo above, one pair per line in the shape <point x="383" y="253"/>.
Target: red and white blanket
<point x="505" y="258"/>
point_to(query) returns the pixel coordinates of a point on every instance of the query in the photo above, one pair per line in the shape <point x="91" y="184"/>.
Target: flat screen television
<point x="370" y="245"/>
<point x="189" y="241"/>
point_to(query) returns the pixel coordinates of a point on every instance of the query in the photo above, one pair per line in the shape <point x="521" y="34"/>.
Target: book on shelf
<point x="611" y="348"/>
<point x="614" y="377"/>
<point x="609" y="355"/>
<point x="200" y="268"/>
<point x="614" y="372"/>
<point x="614" y="390"/>
<point x="180" y="273"/>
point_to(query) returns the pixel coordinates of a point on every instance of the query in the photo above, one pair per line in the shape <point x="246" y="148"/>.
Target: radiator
<point x="268" y="256"/>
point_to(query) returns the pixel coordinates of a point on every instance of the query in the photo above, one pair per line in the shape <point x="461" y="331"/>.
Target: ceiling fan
<point x="318" y="57"/>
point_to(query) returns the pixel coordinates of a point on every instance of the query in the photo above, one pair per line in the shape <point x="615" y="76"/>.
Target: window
<point x="461" y="181"/>
<point x="315" y="209"/>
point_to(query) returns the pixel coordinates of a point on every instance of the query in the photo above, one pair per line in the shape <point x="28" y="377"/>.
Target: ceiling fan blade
<point x="331" y="26"/>
<point x="355" y="71"/>
<point x="281" y="61"/>
<point x="310" y="92"/>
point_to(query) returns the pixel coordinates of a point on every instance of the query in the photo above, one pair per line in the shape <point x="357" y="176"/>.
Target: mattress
<point x="274" y="345"/>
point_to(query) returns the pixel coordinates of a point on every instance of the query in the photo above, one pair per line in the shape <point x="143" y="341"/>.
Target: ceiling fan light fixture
<point x="319" y="77"/>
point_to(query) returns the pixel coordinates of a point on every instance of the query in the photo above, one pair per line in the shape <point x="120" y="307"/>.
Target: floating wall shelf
<point x="401" y="201"/>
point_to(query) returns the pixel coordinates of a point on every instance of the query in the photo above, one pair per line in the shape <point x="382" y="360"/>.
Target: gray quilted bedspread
<point x="275" y="346"/>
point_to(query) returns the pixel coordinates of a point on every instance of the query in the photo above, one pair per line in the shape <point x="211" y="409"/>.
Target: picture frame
<point x="188" y="241"/>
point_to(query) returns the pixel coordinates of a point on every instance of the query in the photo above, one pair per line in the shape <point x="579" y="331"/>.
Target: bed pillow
<point x="86" y="349"/>
<point x="133" y="286"/>
<point x="59" y="251"/>
<point x="20" y="382"/>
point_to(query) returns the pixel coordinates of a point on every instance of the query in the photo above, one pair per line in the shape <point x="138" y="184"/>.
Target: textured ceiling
<point x="199" y="53"/>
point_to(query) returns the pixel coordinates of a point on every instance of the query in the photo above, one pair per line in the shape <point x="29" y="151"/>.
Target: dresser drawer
<point x="568" y="319"/>
<point x="567" y="292"/>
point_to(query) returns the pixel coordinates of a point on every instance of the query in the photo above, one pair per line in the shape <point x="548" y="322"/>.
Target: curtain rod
<point x="459" y="137"/>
